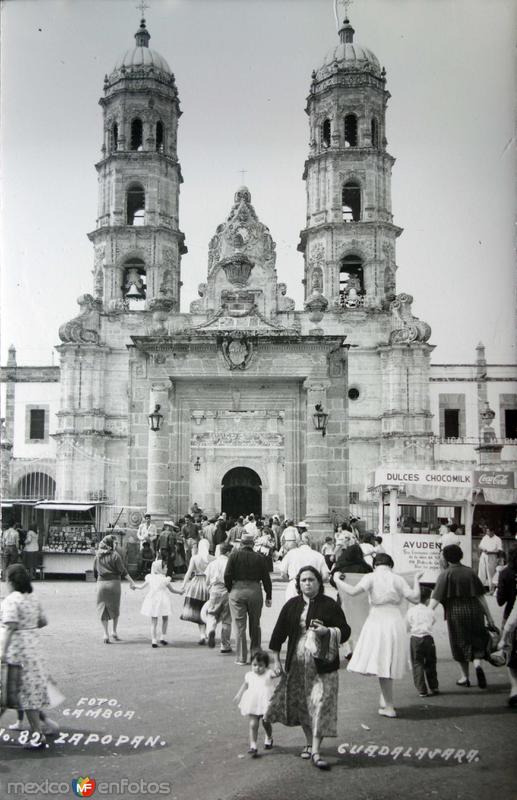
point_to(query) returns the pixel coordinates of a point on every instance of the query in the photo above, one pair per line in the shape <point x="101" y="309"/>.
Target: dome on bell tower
<point x="141" y="57"/>
<point x="348" y="55"/>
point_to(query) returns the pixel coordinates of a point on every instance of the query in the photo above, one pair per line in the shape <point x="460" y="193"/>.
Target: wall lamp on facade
<point x="320" y="419"/>
<point x="197" y="464"/>
<point x="156" y="419"/>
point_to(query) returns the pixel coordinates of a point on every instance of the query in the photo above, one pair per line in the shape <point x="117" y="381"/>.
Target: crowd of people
<point x="345" y="593"/>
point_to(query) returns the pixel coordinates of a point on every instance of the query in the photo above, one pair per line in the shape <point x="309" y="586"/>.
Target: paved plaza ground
<point x="139" y="716"/>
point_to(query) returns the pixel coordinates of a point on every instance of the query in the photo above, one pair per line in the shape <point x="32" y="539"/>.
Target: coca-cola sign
<point x="490" y="479"/>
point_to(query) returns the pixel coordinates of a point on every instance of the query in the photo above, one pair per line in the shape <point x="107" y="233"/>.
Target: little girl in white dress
<point x="254" y="696"/>
<point x="157" y="603"/>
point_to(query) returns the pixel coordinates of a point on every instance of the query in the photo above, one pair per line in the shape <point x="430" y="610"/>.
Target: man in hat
<point x="299" y="557"/>
<point x="218" y="606"/>
<point x="244" y="573"/>
<point x="166" y="545"/>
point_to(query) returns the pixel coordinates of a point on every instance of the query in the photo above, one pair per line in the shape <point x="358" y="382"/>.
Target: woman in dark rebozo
<point x="109" y="570"/>
<point x="307" y="693"/>
<point x="351" y="562"/>
<point x="461" y="594"/>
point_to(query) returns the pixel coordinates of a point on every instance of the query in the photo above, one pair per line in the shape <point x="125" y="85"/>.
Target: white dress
<point x="381" y="649"/>
<point x="255" y="699"/>
<point x="157" y="602"/>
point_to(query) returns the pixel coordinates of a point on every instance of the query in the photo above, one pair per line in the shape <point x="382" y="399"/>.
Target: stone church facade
<point x="242" y="385"/>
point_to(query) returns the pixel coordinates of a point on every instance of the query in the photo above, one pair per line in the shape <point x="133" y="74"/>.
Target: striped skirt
<point x="196" y="595"/>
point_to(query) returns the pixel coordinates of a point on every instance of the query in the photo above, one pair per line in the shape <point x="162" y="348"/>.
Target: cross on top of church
<point x="142" y="6"/>
<point x="346" y="4"/>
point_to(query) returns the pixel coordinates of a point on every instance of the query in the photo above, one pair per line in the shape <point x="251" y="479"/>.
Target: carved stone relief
<point x="237" y="352"/>
<point x="237" y="439"/>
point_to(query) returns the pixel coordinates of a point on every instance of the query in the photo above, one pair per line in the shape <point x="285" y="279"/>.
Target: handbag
<point x="10" y="685"/>
<point x="494" y="655"/>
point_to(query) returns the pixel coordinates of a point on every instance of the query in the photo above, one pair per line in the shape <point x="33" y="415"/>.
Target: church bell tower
<point x="349" y="239"/>
<point x="137" y="241"/>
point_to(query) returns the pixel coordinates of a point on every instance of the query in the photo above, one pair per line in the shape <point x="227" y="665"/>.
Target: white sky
<point x="243" y="72"/>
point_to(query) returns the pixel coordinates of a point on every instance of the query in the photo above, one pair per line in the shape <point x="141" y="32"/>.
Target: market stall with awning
<point x="71" y="533"/>
<point x="414" y="504"/>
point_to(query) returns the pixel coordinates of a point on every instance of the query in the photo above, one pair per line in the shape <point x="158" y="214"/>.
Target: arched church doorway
<point x="241" y="492"/>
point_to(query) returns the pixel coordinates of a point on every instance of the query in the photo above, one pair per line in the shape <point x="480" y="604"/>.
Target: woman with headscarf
<point x="194" y="586"/>
<point x="351" y="559"/>
<point x="461" y="594"/>
<point x="307" y="693"/>
<point x="109" y="570"/>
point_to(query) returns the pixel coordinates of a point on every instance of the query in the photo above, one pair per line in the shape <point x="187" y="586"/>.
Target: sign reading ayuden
<point x="422" y="477"/>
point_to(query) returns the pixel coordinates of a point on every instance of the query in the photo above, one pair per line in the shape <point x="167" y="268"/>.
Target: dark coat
<point x="322" y="608"/>
<point x="220" y="534"/>
<point x="507" y="590"/>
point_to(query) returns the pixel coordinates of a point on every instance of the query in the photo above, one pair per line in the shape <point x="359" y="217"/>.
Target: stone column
<point x="10" y="391"/>
<point x="6" y="454"/>
<point x="158" y="454"/>
<point x="316" y="456"/>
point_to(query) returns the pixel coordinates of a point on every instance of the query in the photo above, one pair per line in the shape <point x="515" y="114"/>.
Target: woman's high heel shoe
<point x="463" y="682"/>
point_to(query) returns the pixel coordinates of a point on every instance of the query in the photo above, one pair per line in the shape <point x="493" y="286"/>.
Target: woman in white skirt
<point x="381" y="649"/>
